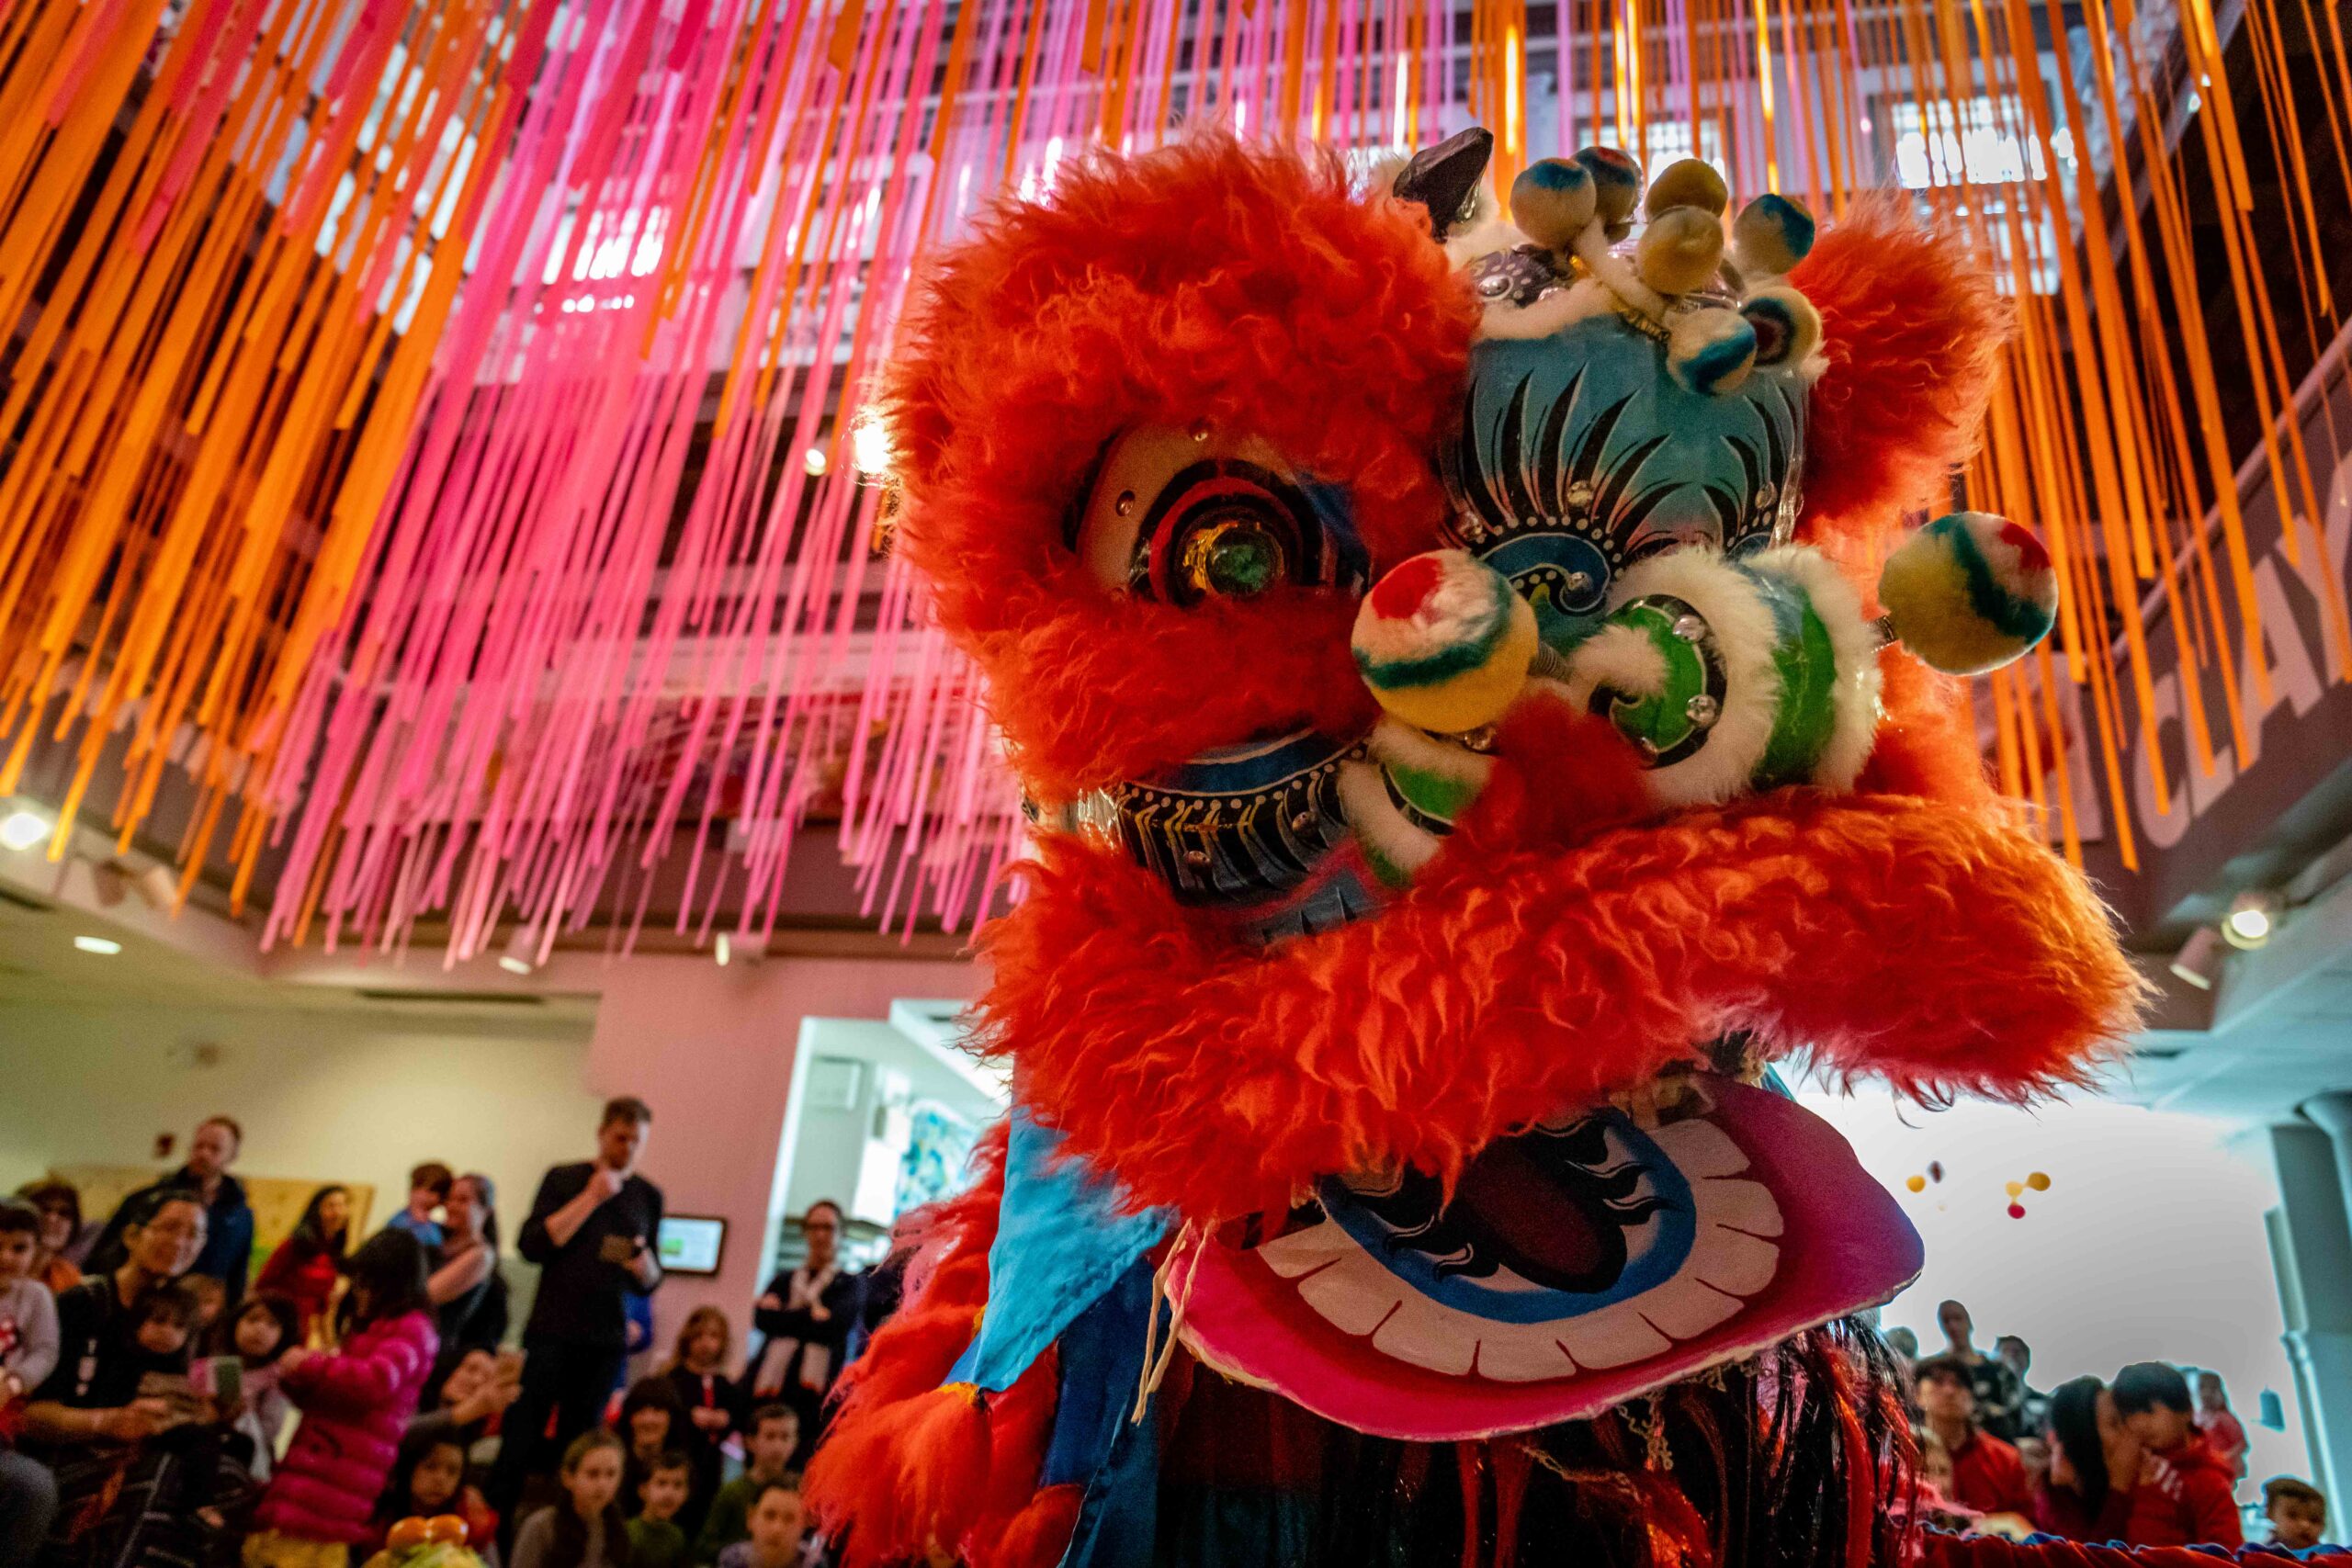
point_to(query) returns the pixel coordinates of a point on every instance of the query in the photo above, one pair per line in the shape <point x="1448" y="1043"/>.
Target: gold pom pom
<point x="1553" y="201"/>
<point x="1774" y="233"/>
<point x="1679" y="250"/>
<point x="1616" y="182"/>
<point x="1690" y="182"/>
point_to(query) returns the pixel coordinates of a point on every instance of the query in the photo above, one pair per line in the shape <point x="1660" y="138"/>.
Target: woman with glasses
<point x="88" y="1420"/>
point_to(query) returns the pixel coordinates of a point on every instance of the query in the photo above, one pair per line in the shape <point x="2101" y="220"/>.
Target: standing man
<point x="228" y="1252"/>
<point x="592" y="1232"/>
<point x="1998" y="1393"/>
<point x="2034" y="1405"/>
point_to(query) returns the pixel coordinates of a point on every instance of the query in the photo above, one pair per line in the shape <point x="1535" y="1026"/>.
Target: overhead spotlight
<point x="869" y="445"/>
<point x="2198" y="961"/>
<point x="522" y="955"/>
<point x="2253" y="916"/>
<point x="24" y="827"/>
<point x="816" y="462"/>
<point x="723" y="949"/>
<point x="105" y="946"/>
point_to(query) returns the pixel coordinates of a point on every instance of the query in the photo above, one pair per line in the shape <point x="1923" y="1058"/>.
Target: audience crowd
<point x="147" y="1392"/>
<point x="2140" y="1459"/>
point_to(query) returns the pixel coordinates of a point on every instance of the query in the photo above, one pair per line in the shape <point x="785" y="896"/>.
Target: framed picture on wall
<point x="691" y="1243"/>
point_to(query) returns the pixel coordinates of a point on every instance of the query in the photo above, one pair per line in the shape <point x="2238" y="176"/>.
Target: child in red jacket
<point x="354" y="1403"/>
<point x="2186" y="1492"/>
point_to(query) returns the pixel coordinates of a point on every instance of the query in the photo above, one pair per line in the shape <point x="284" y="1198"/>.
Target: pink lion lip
<point x="1841" y="1245"/>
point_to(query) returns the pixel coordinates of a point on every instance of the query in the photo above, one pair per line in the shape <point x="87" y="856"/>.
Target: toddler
<point x="28" y="1312"/>
<point x="2297" y="1511"/>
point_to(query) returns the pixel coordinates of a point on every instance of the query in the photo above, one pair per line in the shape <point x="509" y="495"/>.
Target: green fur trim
<point x="1806" y="714"/>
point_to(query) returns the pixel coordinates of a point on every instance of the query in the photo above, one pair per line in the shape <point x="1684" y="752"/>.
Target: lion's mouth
<point x="1577" y="1263"/>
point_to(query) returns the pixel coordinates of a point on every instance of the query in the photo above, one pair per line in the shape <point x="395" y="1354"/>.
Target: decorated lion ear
<point x="1912" y="330"/>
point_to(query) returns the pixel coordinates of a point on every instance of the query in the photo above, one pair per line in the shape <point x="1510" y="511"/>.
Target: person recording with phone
<point x="592" y="1231"/>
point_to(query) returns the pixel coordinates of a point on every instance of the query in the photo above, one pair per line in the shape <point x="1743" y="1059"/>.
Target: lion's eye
<point x="1180" y="516"/>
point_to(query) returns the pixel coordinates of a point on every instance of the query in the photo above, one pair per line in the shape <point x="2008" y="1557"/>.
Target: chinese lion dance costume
<point x="1479" y="709"/>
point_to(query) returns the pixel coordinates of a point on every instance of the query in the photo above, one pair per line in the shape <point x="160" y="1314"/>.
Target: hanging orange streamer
<point x="234" y="239"/>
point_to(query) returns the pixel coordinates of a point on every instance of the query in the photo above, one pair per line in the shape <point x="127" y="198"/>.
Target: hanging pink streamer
<point x="577" y="668"/>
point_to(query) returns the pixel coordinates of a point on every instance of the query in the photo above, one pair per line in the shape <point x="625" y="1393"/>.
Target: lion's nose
<point x="1445" y="643"/>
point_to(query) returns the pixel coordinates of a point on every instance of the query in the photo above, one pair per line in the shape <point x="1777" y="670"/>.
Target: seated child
<point x="428" y="1480"/>
<point x="205" y="1476"/>
<point x="774" y="1434"/>
<point x="776" y="1524"/>
<point x="265" y="1328"/>
<point x="28" y="1312"/>
<point x="2297" y="1511"/>
<point x="655" y="1540"/>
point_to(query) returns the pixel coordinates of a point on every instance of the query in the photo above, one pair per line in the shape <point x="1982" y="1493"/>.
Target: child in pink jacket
<point x="354" y="1403"/>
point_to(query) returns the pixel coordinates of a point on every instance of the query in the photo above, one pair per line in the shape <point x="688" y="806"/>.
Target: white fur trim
<point x="1401" y="745"/>
<point x="1484" y="235"/>
<point x="1744" y="634"/>
<point x="1375" y="819"/>
<point x="1854" y="698"/>
<point x="1555" y="312"/>
<point x="1617" y="657"/>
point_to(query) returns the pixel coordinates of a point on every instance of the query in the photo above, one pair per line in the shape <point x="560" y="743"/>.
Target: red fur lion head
<point x="1156" y="437"/>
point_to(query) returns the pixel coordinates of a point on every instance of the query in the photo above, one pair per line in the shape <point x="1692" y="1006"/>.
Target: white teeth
<point x="1699" y="1148"/>
<point x="1524" y="1357"/>
<point x="1354" y="1294"/>
<point x="1292" y="1255"/>
<point x="1740" y="1205"/>
<point x="1682" y="1308"/>
<point x="1732" y="1258"/>
<point x="1612" y="1337"/>
<point x="1728" y="1260"/>
<point x="1425" y="1334"/>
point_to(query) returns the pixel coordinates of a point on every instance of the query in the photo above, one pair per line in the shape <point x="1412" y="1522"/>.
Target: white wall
<point x="826" y="1144"/>
<point x="353" y="1097"/>
<point x="2148" y="1246"/>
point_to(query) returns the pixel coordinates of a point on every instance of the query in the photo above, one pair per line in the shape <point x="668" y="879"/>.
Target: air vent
<point x="455" y="999"/>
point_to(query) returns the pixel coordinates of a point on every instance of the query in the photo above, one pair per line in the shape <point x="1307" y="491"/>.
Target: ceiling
<point x="2276" y="1031"/>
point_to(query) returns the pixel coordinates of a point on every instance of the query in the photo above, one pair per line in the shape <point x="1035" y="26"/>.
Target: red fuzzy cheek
<point x="1120" y="689"/>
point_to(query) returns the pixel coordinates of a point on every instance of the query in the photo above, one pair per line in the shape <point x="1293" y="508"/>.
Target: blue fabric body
<point x="1061" y="1243"/>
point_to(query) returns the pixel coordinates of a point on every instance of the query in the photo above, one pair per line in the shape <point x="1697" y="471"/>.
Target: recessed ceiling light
<point x="106" y="945"/>
<point x="22" y="829"/>
<point x="815" y="461"/>
<point x="515" y="965"/>
<point x="2253" y="916"/>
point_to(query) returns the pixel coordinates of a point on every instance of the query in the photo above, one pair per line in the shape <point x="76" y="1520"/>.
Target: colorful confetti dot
<point x="2039" y="1182"/>
<point x="2016" y="1188"/>
<point x="1917" y="1184"/>
<point x="2016" y="1210"/>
